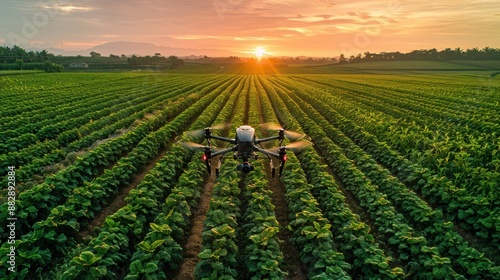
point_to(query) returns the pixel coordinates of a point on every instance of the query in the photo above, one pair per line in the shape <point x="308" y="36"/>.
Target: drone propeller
<point x="290" y="135"/>
<point x="201" y="132"/>
<point x="193" y="146"/>
<point x="299" y="145"/>
<point x="198" y="147"/>
<point x="294" y="147"/>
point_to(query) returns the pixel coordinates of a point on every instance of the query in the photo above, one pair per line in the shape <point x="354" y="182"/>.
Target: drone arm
<point x="224" y="151"/>
<point x="258" y="141"/>
<point x="232" y="141"/>
<point x="281" y="155"/>
<point x="267" y="152"/>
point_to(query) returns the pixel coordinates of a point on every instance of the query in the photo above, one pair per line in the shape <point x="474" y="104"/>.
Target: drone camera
<point x="245" y="167"/>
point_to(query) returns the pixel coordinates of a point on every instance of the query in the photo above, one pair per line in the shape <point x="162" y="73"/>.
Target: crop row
<point x="162" y="245"/>
<point x="218" y="256"/>
<point x="59" y="85"/>
<point x="89" y="199"/>
<point x="219" y="249"/>
<point x="161" y="177"/>
<point x="139" y="203"/>
<point x="262" y="255"/>
<point x="50" y="127"/>
<point x="367" y="99"/>
<point x="358" y="246"/>
<point x="410" y="246"/>
<point x="450" y="92"/>
<point x="466" y="260"/>
<point x="469" y="158"/>
<point x="55" y="100"/>
<point x="113" y="247"/>
<point x="440" y="108"/>
<point x="32" y="132"/>
<point x="311" y="231"/>
<point x="85" y="136"/>
<point x="35" y="204"/>
<point x="353" y="236"/>
<point x="98" y="129"/>
<point x="468" y="211"/>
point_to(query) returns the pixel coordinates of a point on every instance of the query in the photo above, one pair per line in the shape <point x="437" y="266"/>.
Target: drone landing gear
<point x="217" y="170"/>
<point x="281" y="168"/>
<point x="209" y="168"/>
<point x="206" y="157"/>
<point x="273" y="170"/>
<point x="282" y="155"/>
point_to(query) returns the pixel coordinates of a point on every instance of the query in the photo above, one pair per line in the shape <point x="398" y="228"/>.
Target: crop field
<point x="401" y="182"/>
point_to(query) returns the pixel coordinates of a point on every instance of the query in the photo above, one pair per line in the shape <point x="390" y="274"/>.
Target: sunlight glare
<point x="259" y="52"/>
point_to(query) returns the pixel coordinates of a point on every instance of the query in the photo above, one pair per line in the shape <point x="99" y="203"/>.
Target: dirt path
<point x="193" y="245"/>
<point x="292" y="264"/>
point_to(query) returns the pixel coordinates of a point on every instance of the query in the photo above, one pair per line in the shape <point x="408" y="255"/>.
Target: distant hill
<point x="143" y="49"/>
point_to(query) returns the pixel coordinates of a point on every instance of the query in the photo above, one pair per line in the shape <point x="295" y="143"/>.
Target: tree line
<point x="15" y="54"/>
<point x="17" y="58"/>
<point x="173" y="61"/>
<point x="486" y="53"/>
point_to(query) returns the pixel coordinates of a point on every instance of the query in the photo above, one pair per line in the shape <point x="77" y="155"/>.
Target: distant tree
<point x="20" y="56"/>
<point x="18" y="51"/>
<point x="157" y="54"/>
<point x="472" y="53"/>
<point x="133" y="60"/>
<point x="368" y="56"/>
<point x="342" y="59"/>
<point x="113" y="56"/>
<point x="446" y="54"/>
<point x="357" y="58"/>
<point x="44" y="55"/>
<point x="490" y="53"/>
<point x="487" y="53"/>
<point x="175" y="62"/>
<point x="123" y="56"/>
<point x="95" y="54"/>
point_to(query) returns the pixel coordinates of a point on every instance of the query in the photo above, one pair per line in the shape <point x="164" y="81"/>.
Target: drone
<point x="246" y="146"/>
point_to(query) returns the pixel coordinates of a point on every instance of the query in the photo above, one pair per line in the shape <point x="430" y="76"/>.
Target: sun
<point x="259" y="52"/>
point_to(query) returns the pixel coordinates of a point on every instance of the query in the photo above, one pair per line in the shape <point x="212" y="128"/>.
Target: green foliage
<point x="418" y="164"/>
<point x="219" y="249"/>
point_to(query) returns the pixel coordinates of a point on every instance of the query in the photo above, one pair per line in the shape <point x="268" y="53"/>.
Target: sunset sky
<point x="281" y="27"/>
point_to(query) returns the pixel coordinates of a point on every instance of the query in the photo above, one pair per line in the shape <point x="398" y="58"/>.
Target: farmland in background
<point x="401" y="181"/>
